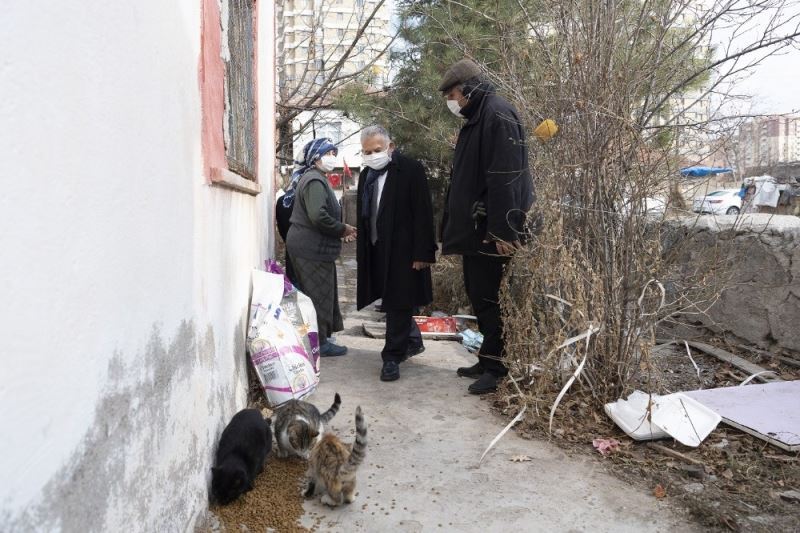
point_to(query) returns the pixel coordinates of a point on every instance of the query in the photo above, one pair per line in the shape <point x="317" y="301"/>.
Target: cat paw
<point x="327" y="500"/>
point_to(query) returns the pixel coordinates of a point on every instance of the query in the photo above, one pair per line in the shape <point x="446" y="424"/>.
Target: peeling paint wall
<point x="126" y="276"/>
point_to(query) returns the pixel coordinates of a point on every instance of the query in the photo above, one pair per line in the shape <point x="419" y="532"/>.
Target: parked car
<point x="653" y="207"/>
<point x="722" y="202"/>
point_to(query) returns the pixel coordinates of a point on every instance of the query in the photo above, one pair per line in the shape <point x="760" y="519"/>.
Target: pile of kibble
<point x="274" y="503"/>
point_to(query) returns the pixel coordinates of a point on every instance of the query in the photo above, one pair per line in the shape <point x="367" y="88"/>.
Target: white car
<point x="722" y="202"/>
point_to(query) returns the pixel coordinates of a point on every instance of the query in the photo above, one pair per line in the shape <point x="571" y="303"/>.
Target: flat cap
<point x="459" y="72"/>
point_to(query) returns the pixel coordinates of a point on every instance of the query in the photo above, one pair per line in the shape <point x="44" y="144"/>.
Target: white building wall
<point x="332" y="123"/>
<point x="125" y="275"/>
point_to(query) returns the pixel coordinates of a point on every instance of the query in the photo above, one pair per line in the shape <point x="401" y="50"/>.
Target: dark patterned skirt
<point x="317" y="280"/>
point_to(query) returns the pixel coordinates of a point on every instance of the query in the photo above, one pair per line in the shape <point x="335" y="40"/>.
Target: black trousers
<point x="482" y="276"/>
<point x="402" y="331"/>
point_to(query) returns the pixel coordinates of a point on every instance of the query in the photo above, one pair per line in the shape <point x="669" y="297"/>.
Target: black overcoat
<point x="490" y="165"/>
<point x="405" y="227"/>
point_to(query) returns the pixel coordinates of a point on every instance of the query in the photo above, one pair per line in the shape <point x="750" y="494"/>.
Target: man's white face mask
<point x="327" y="163"/>
<point x="454" y="108"/>
<point x="377" y="160"/>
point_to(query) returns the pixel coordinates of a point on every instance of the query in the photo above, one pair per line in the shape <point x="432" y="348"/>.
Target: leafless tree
<point x="322" y="47"/>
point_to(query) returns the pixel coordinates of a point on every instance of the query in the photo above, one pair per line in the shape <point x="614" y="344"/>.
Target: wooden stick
<point x="674" y="454"/>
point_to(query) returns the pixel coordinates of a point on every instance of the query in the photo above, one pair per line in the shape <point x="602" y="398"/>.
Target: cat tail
<point x="360" y="445"/>
<point x="330" y="413"/>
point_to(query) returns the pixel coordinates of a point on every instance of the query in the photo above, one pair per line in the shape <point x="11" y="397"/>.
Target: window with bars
<point x="240" y="87"/>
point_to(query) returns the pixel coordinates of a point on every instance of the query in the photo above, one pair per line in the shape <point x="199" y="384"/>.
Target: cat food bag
<point x="301" y="312"/>
<point x="278" y="351"/>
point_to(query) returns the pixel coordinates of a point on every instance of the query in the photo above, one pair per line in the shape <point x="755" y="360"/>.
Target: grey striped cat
<point x="298" y="426"/>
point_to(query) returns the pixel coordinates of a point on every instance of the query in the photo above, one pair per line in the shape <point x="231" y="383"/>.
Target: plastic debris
<point x="471" y="340"/>
<point x="606" y="446"/>
<point x="649" y="416"/>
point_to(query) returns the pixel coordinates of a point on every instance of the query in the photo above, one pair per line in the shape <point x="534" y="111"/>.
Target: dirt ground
<point x="732" y="481"/>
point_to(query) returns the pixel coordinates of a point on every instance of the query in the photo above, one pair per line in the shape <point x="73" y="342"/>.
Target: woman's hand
<point x="350" y="233"/>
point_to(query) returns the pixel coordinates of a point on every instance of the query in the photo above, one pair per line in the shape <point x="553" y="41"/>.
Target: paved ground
<point x="426" y="435"/>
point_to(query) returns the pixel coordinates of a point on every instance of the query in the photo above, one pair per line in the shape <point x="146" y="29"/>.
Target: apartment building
<point x="314" y="35"/>
<point x="769" y="141"/>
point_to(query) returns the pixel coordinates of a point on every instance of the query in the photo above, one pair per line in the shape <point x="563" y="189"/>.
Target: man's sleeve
<point x="506" y="163"/>
<point x="315" y="198"/>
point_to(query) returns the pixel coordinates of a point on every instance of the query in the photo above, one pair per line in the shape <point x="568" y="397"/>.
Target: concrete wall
<point x="125" y="273"/>
<point x="761" y="302"/>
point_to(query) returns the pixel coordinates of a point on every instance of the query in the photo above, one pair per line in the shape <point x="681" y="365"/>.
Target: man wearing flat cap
<point x="488" y="198"/>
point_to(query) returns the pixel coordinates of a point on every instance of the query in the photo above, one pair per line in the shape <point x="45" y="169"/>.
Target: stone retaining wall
<point x="761" y="301"/>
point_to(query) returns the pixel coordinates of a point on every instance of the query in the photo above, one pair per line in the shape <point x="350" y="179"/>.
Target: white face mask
<point x="327" y="163"/>
<point x="454" y="108"/>
<point x="376" y="160"/>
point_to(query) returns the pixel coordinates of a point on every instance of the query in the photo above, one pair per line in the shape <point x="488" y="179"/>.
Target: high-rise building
<point x="314" y="36"/>
<point x="768" y="141"/>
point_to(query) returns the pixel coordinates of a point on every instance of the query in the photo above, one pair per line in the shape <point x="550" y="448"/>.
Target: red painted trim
<point x="212" y="89"/>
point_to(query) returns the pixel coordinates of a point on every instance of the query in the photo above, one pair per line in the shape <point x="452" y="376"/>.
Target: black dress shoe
<point x="474" y="371"/>
<point x="390" y="371"/>
<point x="486" y="383"/>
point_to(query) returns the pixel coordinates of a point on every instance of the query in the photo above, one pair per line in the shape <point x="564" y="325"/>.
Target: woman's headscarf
<point x="312" y="151"/>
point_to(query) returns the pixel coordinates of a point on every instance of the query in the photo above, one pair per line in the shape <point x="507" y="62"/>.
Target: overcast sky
<point x="775" y="84"/>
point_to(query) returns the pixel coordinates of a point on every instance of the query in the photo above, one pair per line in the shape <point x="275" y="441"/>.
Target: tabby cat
<point x="298" y="426"/>
<point x="243" y="447"/>
<point x="333" y="464"/>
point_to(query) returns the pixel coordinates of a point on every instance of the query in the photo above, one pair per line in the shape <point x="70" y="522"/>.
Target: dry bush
<point x="449" y="294"/>
<point x="599" y="263"/>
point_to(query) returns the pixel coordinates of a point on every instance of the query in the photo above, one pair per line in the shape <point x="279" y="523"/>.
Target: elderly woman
<point x="315" y="238"/>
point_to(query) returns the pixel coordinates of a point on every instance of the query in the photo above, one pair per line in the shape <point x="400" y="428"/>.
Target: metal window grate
<point x="240" y="97"/>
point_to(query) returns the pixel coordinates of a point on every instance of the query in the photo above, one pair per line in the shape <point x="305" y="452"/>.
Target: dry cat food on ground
<point x="275" y="501"/>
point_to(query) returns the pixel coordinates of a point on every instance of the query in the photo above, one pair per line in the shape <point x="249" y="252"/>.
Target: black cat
<point x="242" y="450"/>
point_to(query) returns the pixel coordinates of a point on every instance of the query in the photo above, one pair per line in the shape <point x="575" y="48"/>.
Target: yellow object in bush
<point x="546" y="130"/>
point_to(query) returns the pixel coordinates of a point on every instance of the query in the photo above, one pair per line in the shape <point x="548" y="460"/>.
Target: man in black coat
<point x="488" y="198"/>
<point x="396" y="241"/>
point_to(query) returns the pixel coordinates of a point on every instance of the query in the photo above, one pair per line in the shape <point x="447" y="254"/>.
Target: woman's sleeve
<point x="315" y="198"/>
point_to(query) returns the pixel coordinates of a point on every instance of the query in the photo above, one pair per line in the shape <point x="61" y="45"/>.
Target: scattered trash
<point x="377" y="330"/>
<point x="606" y="446"/>
<point x="659" y="491"/>
<point x="471" y="340"/>
<point x="436" y="324"/>
<point x="282" y="356"/>
<point x="520" y="459"/>
<point x="649" y="417"/>
<point x="768" y="411"/>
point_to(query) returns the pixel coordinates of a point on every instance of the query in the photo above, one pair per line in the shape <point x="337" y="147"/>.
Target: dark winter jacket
<point x="316" y="229"/>
<point x="406" y="233"/>
<point x="490" y="165"/>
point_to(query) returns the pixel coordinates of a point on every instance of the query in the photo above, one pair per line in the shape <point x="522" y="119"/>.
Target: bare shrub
<point x="598" y="267"/>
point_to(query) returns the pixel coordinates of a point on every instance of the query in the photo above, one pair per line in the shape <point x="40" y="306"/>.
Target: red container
<point x="436" y="324"/>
